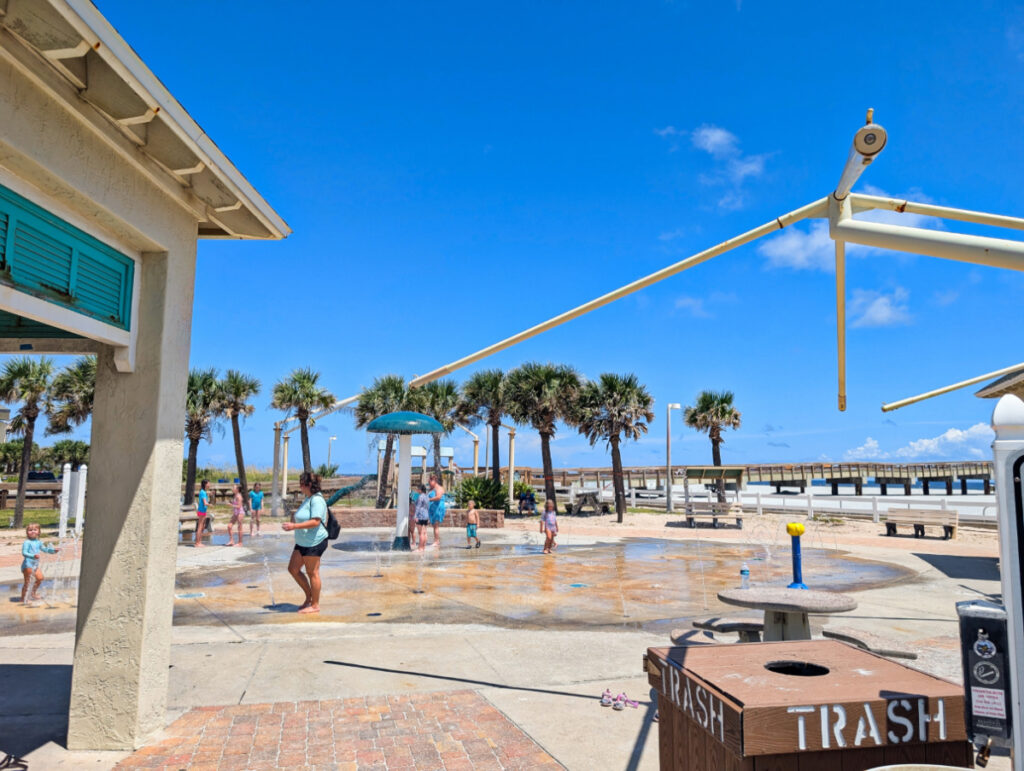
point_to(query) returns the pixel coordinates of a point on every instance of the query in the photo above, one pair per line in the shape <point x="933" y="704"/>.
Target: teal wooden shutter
<point x="44" y="256"/>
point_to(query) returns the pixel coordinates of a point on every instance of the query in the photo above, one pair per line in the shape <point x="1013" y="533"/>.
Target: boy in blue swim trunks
<point x="472" y="522"/>
<point x="30" y="560"/>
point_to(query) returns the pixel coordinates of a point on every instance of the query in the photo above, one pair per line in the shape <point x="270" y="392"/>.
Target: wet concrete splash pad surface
<point x="590" y="583"/>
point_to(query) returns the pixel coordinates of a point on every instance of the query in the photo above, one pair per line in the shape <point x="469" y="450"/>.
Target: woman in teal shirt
<point x="310" y="526"/>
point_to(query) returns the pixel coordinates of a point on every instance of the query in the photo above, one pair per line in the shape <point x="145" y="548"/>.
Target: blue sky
<point x="455" y="172"/>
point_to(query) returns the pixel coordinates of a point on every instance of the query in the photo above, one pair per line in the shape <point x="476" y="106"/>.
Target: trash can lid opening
<point x="796" y="668"/>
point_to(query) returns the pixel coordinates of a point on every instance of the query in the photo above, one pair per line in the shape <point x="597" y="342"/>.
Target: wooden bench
<point x="749" y="629"/>
<point x="867" y="642"/>
<point x="591" y="498"/>
<point x="948" y="519"/>
<point x="704" y="510"/>
<point x="188" y="516"/>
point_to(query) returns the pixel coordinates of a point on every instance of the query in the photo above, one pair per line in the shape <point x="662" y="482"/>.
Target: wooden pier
<point x="779" y="476"/>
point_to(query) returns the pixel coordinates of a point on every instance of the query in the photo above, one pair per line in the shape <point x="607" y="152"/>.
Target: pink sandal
<point x="606" y="698"/>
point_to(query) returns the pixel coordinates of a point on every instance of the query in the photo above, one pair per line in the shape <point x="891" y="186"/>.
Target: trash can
<point x="983" y="648"/>
<point x="812" y="705"/>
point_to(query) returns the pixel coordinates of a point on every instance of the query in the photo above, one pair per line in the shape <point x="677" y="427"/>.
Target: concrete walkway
<point x="545" y="682"/>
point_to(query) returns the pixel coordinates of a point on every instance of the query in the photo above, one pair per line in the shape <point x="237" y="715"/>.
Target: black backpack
<point x="332" y="524"/>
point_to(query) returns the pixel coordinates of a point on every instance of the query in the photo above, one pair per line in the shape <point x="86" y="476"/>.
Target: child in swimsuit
<point x="237" y="515"/>
<point x="255" y="508"/>
<point x="30" y="560"/>
<point x="472" y="521"/>
<point x="202" y="504"/>
<point x="549" y="526"/>
<point x="422" y="513"/>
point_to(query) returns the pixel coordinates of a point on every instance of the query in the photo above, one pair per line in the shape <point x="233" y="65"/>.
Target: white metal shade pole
<point x="511" y="465"/>
<point x="284" y="472"/>
<point x="1008" y="467"/>
<point x="275" y="479"/>
<point x="65" y="501"/>
<point x="668" y="454"/>
<point x="401" y="539"/>
<point x="841" y="320"/>
<point x="946" y="389"/>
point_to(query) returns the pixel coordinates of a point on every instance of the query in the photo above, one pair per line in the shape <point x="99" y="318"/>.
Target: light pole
<point x="668" y="454"/>
<point x="329" y="441"/>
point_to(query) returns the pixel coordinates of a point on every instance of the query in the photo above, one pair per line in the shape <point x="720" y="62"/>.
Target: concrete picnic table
<point x="785" y="610"/>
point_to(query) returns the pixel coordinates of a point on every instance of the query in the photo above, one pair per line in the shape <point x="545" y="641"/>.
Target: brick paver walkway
<point x="447" y="730"/>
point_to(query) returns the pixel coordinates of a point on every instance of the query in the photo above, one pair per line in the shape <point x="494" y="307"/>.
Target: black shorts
<point x="312" y="551"/>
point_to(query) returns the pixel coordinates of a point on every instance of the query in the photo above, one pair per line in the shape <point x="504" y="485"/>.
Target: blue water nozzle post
<point x="795" y="530"/>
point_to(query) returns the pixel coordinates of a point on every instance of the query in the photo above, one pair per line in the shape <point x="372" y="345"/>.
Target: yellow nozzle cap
<point x="795" y="528"/>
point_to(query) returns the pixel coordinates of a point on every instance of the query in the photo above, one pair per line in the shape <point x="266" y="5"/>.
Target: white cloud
<point x="942" y="299"/>
<point x="867" y="451"/>
<point x="693" y="305"/>
<point x="732" y="167"/>
<point x="672" y="235"/>
<point x="869" y="308"/>
<point x="801" y="250"/>
<point x="717" y="141"/>
<point x="813" y="248"/>
<point x="953" y="442"/>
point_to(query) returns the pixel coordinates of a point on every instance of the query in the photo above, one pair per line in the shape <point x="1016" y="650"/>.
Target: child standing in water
<point x="472" y="522"/>
<point x="549" y="526"/>
<point x="422" y="517"/>
<point x="30" y="560"/>
<point x="237" y="514"/>
<point x="255" y="508"/>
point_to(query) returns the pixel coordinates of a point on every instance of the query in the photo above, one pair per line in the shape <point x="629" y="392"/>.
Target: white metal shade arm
<point x="890" y="406"/>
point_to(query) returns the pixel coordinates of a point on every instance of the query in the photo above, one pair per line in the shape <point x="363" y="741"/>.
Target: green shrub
<point x="487" y="493"/>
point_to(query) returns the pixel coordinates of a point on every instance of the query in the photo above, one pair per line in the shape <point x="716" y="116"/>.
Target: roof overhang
<point x="1013" y="383"/>
<point x="70" y="49"/>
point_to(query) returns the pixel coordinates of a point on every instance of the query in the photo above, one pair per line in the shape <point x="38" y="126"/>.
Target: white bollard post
<point x="632" y="497"/>
<point x="874" y="509"/>
<point x="83" y="471"/>
<point x="65" y="501"/>
<point x="810" y="505"/>
<point x="1008" y="468"/>
<point x="760" y="510"/>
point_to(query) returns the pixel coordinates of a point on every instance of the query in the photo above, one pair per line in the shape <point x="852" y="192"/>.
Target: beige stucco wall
<point x="125" y="600"/>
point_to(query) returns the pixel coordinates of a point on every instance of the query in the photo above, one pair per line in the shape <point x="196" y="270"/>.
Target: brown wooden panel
<point x="951" y="754"/>
<point x="696" y="741"/>
<point x="820" y="761"/>
<point x="863" y="758"/>
<point x="666" y="733"/>
<point x="906" y="753"/>
<point x="776" y="763"/>
<point x="715" y="757"/>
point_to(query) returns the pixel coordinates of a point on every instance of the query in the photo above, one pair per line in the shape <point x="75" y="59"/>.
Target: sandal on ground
<point x="620" y="702"/>
<point x="14" y="763"/>
<point x="656" y="717"/>
<point x="607" y="698"/>
<point x="631" y="703"/>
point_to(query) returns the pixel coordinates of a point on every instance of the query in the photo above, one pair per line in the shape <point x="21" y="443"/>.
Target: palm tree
<point x="70" y="451"/>
<point x="302" y="392"/>
<point x="234" y="392"/>
<point x="712" y="413"/>
<point x="387" y="394"/>
<point x="28" y="381"/>
<point x="200" y="417"/>
<point x="541" y="395"/>
<point x="613" y="408"/>
<point x="440" y="400"/>
<point x="484" y="398"/>
<point x="71" y="396"/>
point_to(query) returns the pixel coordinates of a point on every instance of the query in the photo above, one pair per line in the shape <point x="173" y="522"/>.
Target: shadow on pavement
<point x="34" y="705"/>
<point x="971" y="568"/>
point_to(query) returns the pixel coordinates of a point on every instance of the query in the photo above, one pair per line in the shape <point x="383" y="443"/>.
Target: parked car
<point x="37" y="477"/>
